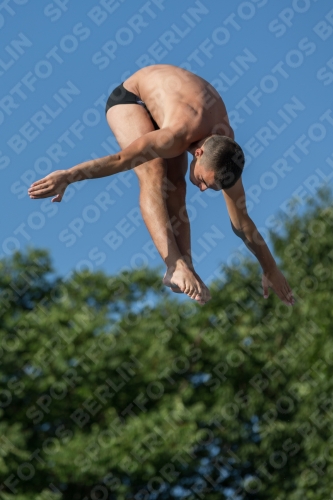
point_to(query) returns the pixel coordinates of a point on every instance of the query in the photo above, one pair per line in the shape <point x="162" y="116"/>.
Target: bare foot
<point x="181" y="279"/>
<point x="203" y="286"/>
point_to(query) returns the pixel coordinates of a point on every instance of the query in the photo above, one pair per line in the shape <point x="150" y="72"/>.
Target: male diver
<point x="157" y="115"/>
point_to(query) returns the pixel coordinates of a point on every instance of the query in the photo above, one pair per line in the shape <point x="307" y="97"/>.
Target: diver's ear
<point x="198" y="153"/>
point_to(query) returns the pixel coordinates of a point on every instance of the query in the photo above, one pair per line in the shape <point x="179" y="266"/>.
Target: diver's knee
<point x="152" y="172"/>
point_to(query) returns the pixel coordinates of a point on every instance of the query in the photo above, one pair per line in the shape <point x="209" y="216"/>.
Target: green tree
<point x="113" y="389"/>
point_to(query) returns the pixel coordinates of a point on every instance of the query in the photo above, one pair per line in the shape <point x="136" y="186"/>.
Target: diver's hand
<point x="53" y="184"/>
<point x="274" y="279"/>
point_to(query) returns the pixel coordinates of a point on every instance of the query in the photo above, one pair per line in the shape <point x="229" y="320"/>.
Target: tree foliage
<point x="113" y="389"/>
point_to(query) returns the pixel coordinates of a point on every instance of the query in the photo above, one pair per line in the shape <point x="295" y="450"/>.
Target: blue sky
<point x="272" y="63"/>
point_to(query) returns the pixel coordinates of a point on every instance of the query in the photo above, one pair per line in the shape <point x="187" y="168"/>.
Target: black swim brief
<point x="122" y="96"/>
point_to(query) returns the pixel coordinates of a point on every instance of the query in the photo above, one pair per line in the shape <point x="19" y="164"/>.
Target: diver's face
<point x="201" y="176"/>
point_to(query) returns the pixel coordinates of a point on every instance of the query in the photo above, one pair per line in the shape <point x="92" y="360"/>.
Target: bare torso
<point x="177" y="98"/>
